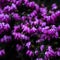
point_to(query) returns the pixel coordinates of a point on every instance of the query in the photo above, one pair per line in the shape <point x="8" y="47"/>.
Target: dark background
<point x="48" y="2"/>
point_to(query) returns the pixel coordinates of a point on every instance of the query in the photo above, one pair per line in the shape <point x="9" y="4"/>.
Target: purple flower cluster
<point x="30" y="26"/>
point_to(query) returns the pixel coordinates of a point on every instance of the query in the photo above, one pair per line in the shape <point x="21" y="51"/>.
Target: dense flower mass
<point x="29" y="31"/>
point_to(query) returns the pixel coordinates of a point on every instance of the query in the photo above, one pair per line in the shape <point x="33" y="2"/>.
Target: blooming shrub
<point x="29" y="31"/>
